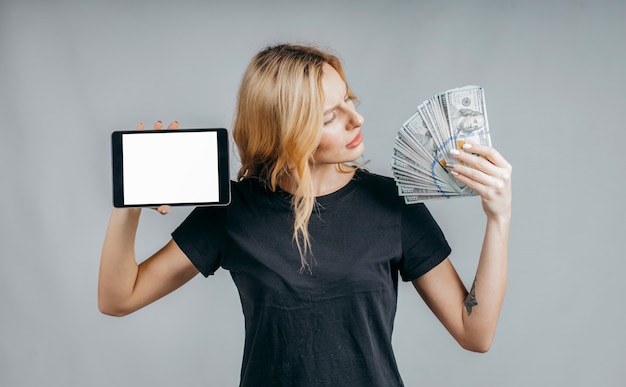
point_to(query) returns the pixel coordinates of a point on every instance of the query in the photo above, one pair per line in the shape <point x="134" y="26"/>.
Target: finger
<point x="472" y="177"/>
<point x="164" y="209"/>
<point x="474" y="161"/>
<point x="139" y="126"/>
<point x="486" y="185"/>
<point x="465" y="180"/>
<point x="173" y="125"/>
<point x="487" y="152"/>
<point x="158" y="125"/>
<point x="482" y="172"/>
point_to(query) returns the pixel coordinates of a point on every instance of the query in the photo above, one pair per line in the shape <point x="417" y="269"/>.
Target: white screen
<point x="173" y="167"/>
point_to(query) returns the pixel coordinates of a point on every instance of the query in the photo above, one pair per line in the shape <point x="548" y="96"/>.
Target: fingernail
<point x="467" y="146"/>
<point x="455" y="152"/>
<point x="450" y="165"/>
<point x="454" y="173"/>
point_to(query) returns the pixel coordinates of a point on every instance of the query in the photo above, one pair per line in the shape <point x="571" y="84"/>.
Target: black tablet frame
<point x="117" y="158"/>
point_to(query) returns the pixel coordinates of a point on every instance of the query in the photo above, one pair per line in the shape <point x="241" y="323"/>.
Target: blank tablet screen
<point x="175" y="167"/>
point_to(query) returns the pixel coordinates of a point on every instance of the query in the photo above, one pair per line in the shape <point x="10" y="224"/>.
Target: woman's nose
<point x="356" y="119"/>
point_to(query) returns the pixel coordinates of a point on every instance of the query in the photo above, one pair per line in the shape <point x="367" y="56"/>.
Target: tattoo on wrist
<point x="470" y="299"/>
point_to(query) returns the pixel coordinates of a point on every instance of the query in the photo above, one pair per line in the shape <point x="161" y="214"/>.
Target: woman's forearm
<point x="483" y="303"/>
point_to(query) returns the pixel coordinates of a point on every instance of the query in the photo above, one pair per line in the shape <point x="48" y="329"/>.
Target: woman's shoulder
<point x="250" y="186"/>
<point x="377" y="184"/>
<point x="374" y="179"/>
<point x="254" y="191"/>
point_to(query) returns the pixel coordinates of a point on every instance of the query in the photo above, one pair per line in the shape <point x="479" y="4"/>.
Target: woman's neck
<point x="326" y="179"/>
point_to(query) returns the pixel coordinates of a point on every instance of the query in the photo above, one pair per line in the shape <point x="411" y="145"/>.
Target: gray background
<point x="72" y="72"/>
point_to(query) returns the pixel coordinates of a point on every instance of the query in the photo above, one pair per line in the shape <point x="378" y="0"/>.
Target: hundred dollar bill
<point x="423" y="143"/>
<point x="417" y="142"/>
<point x="421" y="129"/>
<point x="430" y="128"/>
<point x="413" y="199"/>
<point x="407" y="174"/>
<point x="420" y="160"/>
<point x="467" y="115"/>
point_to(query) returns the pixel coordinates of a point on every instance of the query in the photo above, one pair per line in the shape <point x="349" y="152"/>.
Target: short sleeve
<point x="200" y="235"/>
<point x="423" y="243"/>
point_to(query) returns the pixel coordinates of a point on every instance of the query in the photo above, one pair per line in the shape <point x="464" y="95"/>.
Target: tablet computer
<point x="181" y="167"/>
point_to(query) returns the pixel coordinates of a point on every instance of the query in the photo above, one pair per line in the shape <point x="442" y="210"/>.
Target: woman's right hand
<point x="164" y="209"/>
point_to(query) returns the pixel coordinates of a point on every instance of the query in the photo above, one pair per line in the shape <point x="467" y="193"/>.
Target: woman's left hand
<point x="489" y="176"/>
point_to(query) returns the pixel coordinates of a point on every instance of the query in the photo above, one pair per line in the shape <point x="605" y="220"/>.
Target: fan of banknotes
<point x="422" y="146"/>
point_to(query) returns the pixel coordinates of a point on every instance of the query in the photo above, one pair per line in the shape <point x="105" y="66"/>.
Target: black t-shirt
<point x="333" y="326"/>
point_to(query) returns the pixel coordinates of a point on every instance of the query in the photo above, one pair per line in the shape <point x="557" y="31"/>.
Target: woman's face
<point x="341" y="139"/>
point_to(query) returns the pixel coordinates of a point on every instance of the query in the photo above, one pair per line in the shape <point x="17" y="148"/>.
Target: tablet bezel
<point x="118" y="167"/>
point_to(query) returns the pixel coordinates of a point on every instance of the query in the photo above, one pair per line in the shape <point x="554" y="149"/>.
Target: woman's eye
<point x="330" y="119"/>
<point x="352" y="99"/>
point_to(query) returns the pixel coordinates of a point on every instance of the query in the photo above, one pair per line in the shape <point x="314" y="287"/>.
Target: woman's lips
<point x="356" y="141"/>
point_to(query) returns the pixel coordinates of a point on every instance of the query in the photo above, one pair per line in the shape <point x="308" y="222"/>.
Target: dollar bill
<point x="467" y="116"/>
<point x="423" y="144"/>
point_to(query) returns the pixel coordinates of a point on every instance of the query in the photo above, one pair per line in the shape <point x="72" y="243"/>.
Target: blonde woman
<point x="315" y="244"/>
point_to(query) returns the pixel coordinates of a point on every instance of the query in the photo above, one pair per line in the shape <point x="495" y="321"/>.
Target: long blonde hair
<point x="278" y="125"/>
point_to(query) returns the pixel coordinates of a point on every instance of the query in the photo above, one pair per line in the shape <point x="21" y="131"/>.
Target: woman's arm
<point x="471" y="317"/>
<point x="123" y="285"/>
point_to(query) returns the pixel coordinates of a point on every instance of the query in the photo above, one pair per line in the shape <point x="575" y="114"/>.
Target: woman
<point x="314" y="244"/>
